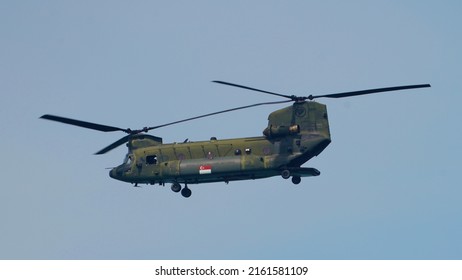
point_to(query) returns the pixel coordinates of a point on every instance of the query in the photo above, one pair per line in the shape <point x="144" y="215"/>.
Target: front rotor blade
<point x="220" y="112"/>
<point x="254" y="89"/>
<point x="114" y="145"/>
<point x="95" y="126"/>
<point x="368" y="91"/>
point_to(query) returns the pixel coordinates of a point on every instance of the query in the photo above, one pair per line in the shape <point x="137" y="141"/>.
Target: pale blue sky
<point x="390" y="184"/>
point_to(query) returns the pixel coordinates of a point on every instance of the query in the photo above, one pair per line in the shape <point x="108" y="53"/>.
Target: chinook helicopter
<point x="294" y="135"/>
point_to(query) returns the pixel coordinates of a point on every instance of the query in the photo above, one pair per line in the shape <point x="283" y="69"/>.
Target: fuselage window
<point x="237" y="152"/>
<point x="248" y="151"/>
<point x="152" y="159"/>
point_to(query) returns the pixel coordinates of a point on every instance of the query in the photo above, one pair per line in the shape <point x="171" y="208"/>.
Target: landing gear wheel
<point x="296" y="180"/>
<point x="186" y="192"/>
<point x="176" y="187"/>
<point x="285" y="174"/>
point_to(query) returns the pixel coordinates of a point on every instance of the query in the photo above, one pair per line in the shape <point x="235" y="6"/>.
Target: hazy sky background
<point x="390" y="184"/>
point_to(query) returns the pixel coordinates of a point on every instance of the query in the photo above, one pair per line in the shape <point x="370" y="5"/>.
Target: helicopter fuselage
<point x="294" y="135"/>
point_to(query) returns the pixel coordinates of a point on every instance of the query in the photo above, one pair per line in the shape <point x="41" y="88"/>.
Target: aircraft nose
<point x="112" y="173"/>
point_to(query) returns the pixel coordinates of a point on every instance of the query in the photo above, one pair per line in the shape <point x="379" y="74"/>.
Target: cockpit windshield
<point x="128" y="159"/>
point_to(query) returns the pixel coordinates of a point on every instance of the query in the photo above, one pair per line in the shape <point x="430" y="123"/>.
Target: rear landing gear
<point x="285" y="174"/>
<point x="296" y="180"/>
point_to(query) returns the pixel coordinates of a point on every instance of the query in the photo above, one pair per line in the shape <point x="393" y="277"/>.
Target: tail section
<point x="302" y="130"/>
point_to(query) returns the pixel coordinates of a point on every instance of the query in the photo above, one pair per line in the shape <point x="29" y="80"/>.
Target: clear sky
<point x="390" y="184"/>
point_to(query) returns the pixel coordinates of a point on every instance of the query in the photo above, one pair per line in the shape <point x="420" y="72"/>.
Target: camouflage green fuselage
<point x="294" y="135"/>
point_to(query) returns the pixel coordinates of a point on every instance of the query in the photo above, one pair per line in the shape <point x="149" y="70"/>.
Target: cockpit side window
<point x="151" y="159"/>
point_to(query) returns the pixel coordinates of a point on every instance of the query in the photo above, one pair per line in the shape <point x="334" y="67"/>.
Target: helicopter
<point x="293" y="136"/>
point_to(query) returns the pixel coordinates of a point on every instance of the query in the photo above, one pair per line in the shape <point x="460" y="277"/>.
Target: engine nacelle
<point x="280" y="131"/>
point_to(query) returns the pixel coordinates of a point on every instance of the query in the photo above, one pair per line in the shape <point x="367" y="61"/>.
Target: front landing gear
<point x="176" y="187"/>
<point x="185" y="192"/>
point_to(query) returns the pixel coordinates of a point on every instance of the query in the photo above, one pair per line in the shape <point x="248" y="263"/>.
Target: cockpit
<point x="128" y="159"/>
<point x="119" y="171"/>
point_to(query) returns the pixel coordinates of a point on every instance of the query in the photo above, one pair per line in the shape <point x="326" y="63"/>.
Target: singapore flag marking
<point x="205" y="169"/>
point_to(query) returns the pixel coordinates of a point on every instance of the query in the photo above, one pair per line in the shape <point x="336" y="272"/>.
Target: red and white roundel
<point x="205" y="169"/>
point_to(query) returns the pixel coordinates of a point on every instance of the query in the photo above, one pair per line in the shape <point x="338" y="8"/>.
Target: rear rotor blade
<point x="89" y="125"/>
<point x="254" y="89"/>
<point x="216" y="113"/>
<point x="367" y="91"/>
<point x="114" y="145"/>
